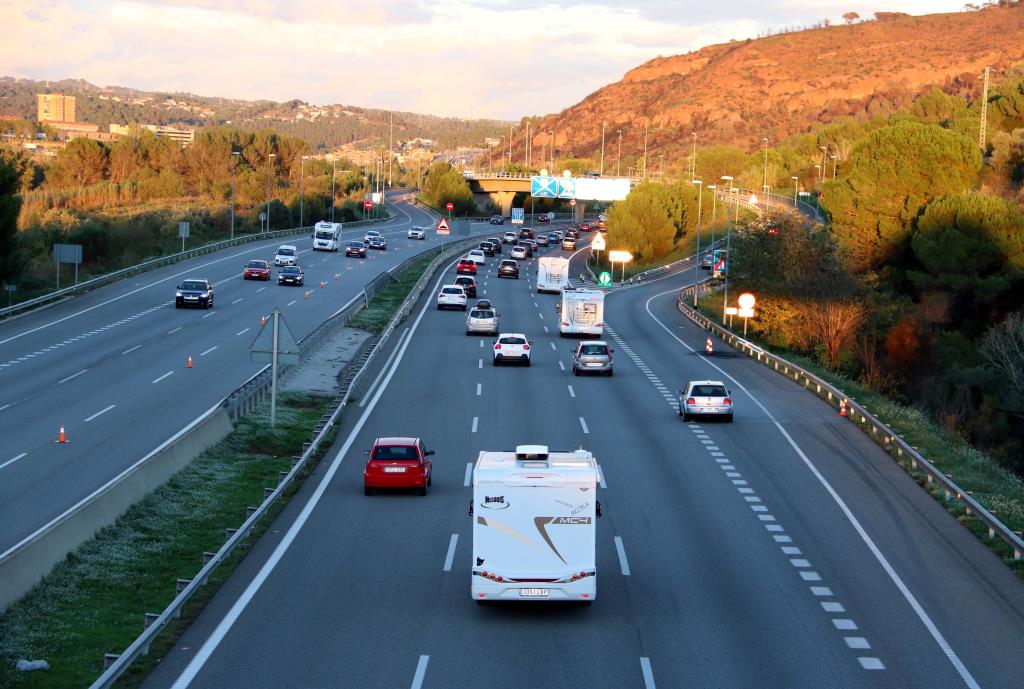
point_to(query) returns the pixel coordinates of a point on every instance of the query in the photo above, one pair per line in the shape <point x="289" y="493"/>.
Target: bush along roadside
<point x="94" y="602"/>
<point x="994" y="487"/>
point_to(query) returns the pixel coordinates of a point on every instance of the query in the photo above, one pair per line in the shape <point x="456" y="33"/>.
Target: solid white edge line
<point x="469" y="474"/>
<point x="17" y="457"/>
<point x="600" y="477"/>
<point x="645" y="668"/>
<point x="451" y="553"/>
<point x="383" y="369"/>
<point x="918" y="609"/>
<point x="225" y="625"/>
<point x="99" y="413"/>
<point x="421" y="671"/>
<point x="623" y="562"/>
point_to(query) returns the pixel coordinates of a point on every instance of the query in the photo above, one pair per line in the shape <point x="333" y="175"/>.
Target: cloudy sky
<point x="470" y="58"/>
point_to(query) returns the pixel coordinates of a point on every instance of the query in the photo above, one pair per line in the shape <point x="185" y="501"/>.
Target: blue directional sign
<point x="517" y="216"/>
<point x="543" y="187"/>
<point x="566" y="187"/>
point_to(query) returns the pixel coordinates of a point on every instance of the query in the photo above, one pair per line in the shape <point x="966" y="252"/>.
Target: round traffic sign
<point x="449" y="205"/>
<point x="263" y="216"/>
<point x="368" y="205"/>
<point x="604" y="279"/>
<point x="572" y="202"/>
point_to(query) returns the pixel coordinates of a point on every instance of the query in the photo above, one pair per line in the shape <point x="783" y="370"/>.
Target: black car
<point x="378" y="243"/>
<point x="508" y="269"/>
<point x="497" y="220"/>
<point x="526" y="233"/>
<point x="291" y="275"/>
<point x="487" y="248"/>
<point x="467" y="284"/>
<point x="357" y="249"/>
<point x="194" y="292"/>
<point x="496" y="241"/>
<point x="543" y="218"/>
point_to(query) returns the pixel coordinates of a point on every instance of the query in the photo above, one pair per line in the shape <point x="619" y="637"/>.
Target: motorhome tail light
<point x="690" y="400"/>
<point x="501" y="578"/>
<point x="727" y="402"/>
<point x="575" y="577"/>
<point x="600" y="325"/>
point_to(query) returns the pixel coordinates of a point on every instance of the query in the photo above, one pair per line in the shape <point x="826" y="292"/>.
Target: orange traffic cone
<point x="307" y="294"/>
<point x="337" y="276"/>
<point x="322" y="283"/>
<point x="842" y="408"/>
<point x="60" y="436"/>
<point x="189" y="364"/>
<point x="709" y="347"/>
<point x="263" y="320"/>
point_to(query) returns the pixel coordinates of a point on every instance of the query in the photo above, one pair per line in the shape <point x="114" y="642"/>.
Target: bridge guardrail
<point x="166" y="260"/>
<point x="869" y="424"/>
<point x="116" y="665"/>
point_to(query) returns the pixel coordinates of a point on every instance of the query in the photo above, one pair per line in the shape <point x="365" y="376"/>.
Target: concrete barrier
<point x="25" y="564"/>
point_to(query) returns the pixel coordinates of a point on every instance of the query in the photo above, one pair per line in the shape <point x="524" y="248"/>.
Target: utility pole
<point x="234" y="163"/>
<point x="618" y="160"/>
<point x="302" y="191"/>
<point x="984" y="112"/>
<point x="603" y="125"/>
<point x="391" y="155"/>
<point x="510" y="146"/>
<point x="764" y="177"/>
<point x="334" y="175"/>
<point x="644" y="176"/>
<point x="526" y="147"/>
<point x="693" y="158"/>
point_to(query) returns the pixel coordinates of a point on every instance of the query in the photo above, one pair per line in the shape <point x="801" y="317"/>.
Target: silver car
<point x="481" y="320"/>
<point x="705" y="398"/>
<point x="592" y="356"/>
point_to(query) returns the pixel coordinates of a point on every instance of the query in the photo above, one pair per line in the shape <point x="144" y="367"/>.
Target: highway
<point x="783" y="550"/>
<point x="110" y="365"/>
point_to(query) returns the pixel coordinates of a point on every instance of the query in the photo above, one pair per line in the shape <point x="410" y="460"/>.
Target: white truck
<point x="581" y="312"/>
<point x="534" y="525"/>
<point x="552" y="274"/>
<point x="327" y="236"/>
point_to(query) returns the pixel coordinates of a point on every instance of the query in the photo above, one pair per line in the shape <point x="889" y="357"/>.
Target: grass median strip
<point x="93" y="603"/>
<point x="384" y="304"/>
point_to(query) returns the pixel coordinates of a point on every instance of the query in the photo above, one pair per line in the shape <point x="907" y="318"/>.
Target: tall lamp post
<point x="824" y="162"/>
<point x="693" y="158"/>
<point x="234" y="164"/>
<point x="334" y="174"/>
<point x="764" y="176"/>
<point x="796" y="189"/>
<point x="696" y="264"/>
<point x="551" y="164"/>
<point x="603" y="125"/>
<point x="819" y="174"/>
<point x="728" y="246"/>
<point x="644" y="176"/>
<point x="714" y="210"/>
<point x="618" y="159"/>
<point x="270" y="173"/>
<point x="835" y="164"/>
<point x="302" y="191"/>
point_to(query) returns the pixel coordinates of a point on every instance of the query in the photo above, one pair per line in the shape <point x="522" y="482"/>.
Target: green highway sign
<point x="604" y="279"/>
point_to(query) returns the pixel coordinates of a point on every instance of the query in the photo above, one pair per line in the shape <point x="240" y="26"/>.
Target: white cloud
<point x="473" y="58"/>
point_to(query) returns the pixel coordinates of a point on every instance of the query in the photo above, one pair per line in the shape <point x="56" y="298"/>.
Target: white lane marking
<point x="99" y="413"/>
<point x="645" y="668"/>
<point x="553" y="346"/>
<point x="475" y="421"/>
<point x="4" y="407"/>
<point x="479" y="389"/>
<point x="871" y="663"/>
<point x="291" y="302"/>
<point x="241" y="332"/>
<point x="212" y="313"/>
<point x="163" y="376"/>
<point x="479" y="363"/>
<point x="469" y="474"/>
<point x="832" y="606"/>
<point x="600" y="477"/>
<point x="451" y="553"/>
<point x="208" y="350"/>
<point x="561" y="365"/>
<point x="481" y="344"/>
<point x="260" y="290"/>
<point x="13" y="459"/>
<point x="844" y="623"/>
<point x="130" y="350"/>
<point x="572" y="393"/>
<point x="808" y="575"/>
<point x="421" y="671"/>
<point x="922" y="615"/>
<point x="623" y="562"/>
<point x="237" y="300"/>
<point x="545" y="328"/>
<point x="384" y="368"/>
<point x="583" y="423"/>
<point x="541" y="315"/>
<point x="225" y="625"/>
<point x="74" y="375"/>
<point x="856" y="642"/>
<point x="171" y="332"/>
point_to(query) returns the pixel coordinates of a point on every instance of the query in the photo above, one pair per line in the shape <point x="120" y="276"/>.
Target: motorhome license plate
<point x="533" y="593"/>
<point x="394" y="470"/>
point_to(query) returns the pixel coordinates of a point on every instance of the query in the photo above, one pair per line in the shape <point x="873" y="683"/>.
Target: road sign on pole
<point x="604" y="279"/>
<point x="443" y="228"/>
<point x="449" y="206"/>
<point x="368" y="205"/>
<point x="518" y="216"/>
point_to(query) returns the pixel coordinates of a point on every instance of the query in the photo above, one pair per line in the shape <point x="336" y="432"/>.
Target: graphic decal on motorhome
<point x="542" y="522"/>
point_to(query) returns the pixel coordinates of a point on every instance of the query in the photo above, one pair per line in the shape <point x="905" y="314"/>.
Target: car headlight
<point x="178" y="293"/>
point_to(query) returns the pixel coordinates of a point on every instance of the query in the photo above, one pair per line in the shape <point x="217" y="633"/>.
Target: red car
<point x="584" y="227"/>
<point x="465" y="266"/>
<point x="398" y="463"/>
<point x="256" y="270"/>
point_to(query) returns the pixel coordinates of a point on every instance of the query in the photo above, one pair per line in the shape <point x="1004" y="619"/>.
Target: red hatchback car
<point x="398" y="463"/>
<point x="465" y="266"/>
<point x="585" y="227"/>
<point x="256" y="270"/>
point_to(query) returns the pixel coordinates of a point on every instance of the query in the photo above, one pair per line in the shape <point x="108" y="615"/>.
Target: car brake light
<point x="497" y="346"/>
<point x="525" y="347"/>
<point x="690" y="400"/>
<point x="727" y="402"/>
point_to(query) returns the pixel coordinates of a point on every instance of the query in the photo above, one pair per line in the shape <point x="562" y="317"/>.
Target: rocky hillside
<point x="781" y="85"/>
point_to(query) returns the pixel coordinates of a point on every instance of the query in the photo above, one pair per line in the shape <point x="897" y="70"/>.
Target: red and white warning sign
<point x="443" y="228"/>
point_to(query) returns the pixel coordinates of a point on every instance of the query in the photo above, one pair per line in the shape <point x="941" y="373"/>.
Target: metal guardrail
<point x="869" y="424"/>
<point x="116" y="665"/>
<point x="166" y="260"/>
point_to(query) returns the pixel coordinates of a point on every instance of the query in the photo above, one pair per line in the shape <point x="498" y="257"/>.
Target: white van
<point x="552" y="274"/>
<point x="287" y="255"/>
<point x="534" y="526"/>
<point x="326" y="236"/>
<point x="581" y="312"/>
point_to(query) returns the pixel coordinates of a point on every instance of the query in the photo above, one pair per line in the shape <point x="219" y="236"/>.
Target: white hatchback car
<point x="287" y="255"/>
<point x="511" y="347"/>
<point x="518" y="252"/>
<point x="705" y="398"/>
<point x="510" y="238"/>
<point x="477" y="256"/>
<point x="417" y="233"/>
<point x="372" y="234"/>
<point x="482" y="320"/>
<point x="451" y="297"/>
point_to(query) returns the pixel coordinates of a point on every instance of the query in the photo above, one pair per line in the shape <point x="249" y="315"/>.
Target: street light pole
<point x="510" y="145"/>
<point x="728" y="245"/>
<point x="796" y="201"/>
<point x="334" y="174"/>
<point x="551" y="167"/>
<point x="302" y="192"/>
<point x="618" y="160"/>
<point x="603" y="125"/>
<point x="714" y="210"/>
<point x="661" y="167"/>
<point x="644" y="176"/>
<point x="764" y="177"/>
<point x="696" y="262"/>
<point x="234" y="164"/>
<point x="693" y="158"/>
<point x="526" y="147"/>
<point x="824" y="164"/>
<point x="835" y="164"/>
<point x="270" y="173"/>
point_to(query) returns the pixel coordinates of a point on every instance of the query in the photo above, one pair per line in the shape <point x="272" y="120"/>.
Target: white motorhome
<point x="327" y="236"/>
<point x="581" y="312"/>
<point x="534" y="525"/>
<point x="552" y="274"/>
